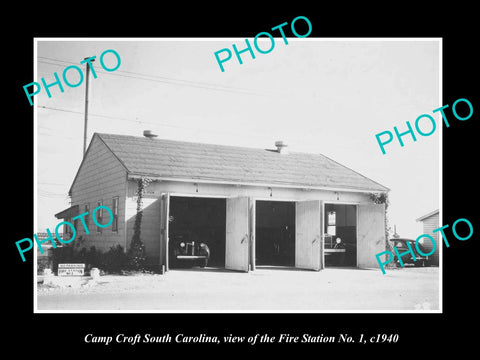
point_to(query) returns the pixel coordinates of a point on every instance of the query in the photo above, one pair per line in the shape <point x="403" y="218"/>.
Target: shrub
<point x="42" y="264"/>
<point x="136" y="256"/>
<point x="60" y="255"/>
<point x="114" y="260"/>
<point x="93" y="257"/>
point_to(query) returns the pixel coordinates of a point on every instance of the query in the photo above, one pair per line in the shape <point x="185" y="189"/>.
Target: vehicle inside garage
<point x="275" y="233"/>
<point x="340" y="246"/>
<point x="193" y="221"/>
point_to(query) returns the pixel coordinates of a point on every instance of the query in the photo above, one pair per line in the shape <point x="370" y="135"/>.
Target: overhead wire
<point x="149" y="75"/>
<point x="48" y="194"/>
<point x="154" y="78"/>
<point x="164" y="79"/>
<point x="49" y="183"/>
<point x="142" y="122"/>
<point x="113" y="117"/>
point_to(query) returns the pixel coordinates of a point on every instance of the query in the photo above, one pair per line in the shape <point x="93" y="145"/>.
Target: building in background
<point x="430" y="222"/>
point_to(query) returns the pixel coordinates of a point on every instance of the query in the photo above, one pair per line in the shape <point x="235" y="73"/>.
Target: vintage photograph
<point x="172" y="177"/>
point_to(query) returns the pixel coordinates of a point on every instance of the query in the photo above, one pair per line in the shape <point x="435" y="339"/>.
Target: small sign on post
<point x="71" y="269"/>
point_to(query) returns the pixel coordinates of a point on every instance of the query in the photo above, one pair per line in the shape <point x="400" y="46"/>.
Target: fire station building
<point x="252" y="207"/>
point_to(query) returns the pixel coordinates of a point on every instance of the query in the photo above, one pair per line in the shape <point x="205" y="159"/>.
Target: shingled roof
<point x="168" y="159"/>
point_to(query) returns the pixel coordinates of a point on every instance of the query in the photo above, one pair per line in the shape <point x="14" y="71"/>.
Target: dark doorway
<point x="275" y="233"/>
<point x="340" y="246"/>
<point x="192" y="222"/>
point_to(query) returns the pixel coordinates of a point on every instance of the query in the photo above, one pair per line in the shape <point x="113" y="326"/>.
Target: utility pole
<point x="85" y="126"/>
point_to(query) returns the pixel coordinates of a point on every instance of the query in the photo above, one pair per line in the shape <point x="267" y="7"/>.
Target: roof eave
<point x="421" y="218"/>
<point x="134" y="176"/>
<point x="68" y="212"/>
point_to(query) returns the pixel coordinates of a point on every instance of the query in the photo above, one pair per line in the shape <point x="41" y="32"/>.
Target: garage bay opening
<point x="340" y="240"/>
<point x="275" y="233"/>
<point x="196" y="232"/>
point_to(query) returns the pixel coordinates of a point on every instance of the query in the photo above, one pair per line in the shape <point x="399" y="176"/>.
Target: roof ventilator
<point x="281" y="147"/>
<point x="149" y="134"/>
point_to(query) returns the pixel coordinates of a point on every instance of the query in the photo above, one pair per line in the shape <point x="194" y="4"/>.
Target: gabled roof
<point x="178" y="160"/>
<point x="421" y="218"/>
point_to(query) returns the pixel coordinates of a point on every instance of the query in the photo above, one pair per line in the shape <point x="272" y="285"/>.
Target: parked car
<point x="401" y="245"/>
<point x="188" y="251"/>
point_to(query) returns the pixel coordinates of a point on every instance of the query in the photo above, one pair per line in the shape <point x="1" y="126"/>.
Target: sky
<point x="328" y="96"/>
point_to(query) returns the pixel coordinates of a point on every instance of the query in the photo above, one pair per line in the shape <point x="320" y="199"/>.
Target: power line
<point x="51" y="195"/>
<point x="147" y="75"/>
<point x="172" y="81"/>
<point x="167" y="80"/>
<point x="114" y="117"/>
<point x="153" y="76"/>
<point x="62" y="136"/>
<point x="45" y="128"/>
<point x="49" y="183"/>
<point x="141" y="122"/>
<point x="47" y="192"/>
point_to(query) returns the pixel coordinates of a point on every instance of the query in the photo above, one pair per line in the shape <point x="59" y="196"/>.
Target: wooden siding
<point x="237" y="234"/>
<point x="308" y="234"/>
<point x="150" y="225"/>
<point x="370" y="234"/>
<point x="429" y="224"/>
<point x="100" y="177"/>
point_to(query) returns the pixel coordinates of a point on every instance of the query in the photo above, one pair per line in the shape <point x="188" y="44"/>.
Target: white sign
<point x="71" y="269"/>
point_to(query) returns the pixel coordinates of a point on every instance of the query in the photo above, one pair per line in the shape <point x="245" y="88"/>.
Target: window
<point x="115" y="214"/>
<point x="331" y="223"/>
<point x="67" y="230"/>
<point x="99" y="215"/>
<point x="87" y="217"/>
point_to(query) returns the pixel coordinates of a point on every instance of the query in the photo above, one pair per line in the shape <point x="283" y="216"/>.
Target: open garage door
<point x="308" y="235"/>
<point x="370" y="234"/>
<point x="164" y="222"/>
<point x="237" y="234"/>
<point x="196" y="232"/>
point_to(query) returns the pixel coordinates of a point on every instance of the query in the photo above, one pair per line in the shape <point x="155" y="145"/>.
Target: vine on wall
<point x="382" y="198"/>
<point x="137" y="253"/>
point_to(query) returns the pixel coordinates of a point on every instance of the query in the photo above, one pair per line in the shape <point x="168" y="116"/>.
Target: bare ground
<point x="266" y="289"/>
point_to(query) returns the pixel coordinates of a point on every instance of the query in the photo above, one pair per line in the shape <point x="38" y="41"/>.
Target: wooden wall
<point x="429" y="224"/>
<point x="100" y="177"/>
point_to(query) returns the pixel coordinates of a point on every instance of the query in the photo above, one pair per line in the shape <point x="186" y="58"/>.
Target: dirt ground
<point x="264" y="290"/>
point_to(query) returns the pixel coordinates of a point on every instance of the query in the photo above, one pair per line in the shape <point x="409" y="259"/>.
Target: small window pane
<point x="115" y="214"/>
<point x="331" y="230"/>
<point x="99" y="215"/>
<point x="331" y="218"/>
